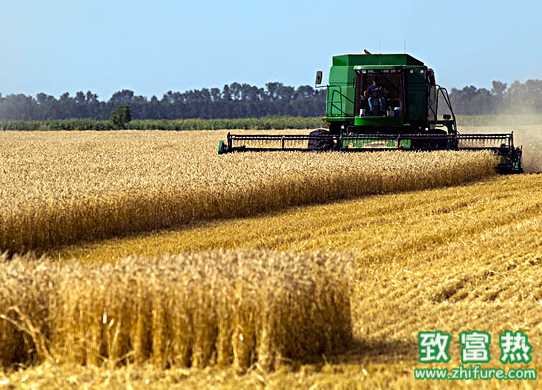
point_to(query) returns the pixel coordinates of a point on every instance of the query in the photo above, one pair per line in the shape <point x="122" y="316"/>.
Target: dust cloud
<point x="530" y="138"/>
<point x="527" y="130"/>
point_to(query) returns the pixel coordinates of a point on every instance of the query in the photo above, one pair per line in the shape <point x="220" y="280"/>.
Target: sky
<point x="152" y="47"/>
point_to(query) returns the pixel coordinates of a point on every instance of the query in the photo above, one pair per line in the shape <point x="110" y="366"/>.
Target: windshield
<point x="380" y="93"/>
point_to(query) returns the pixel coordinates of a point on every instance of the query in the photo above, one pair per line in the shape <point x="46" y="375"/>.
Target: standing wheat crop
<point x="192" y="310"/>
<point x="61" y="188"/>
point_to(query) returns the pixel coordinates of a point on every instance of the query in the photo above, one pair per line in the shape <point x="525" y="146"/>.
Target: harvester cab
<point x="383" y="102"/>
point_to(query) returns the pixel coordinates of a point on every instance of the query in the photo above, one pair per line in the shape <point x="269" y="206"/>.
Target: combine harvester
<point x="381" y="102"/>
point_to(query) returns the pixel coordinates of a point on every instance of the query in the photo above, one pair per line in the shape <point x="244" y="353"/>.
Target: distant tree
<point x="498" y="87"/>
<point x="121" y="117"/>
<point x="122" y="97"/>
<point x="498" y="91"/>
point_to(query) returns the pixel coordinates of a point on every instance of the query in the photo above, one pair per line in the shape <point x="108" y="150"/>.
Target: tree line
<point x="517" y="98"/>
<point x="247" y="101"/>
<point x="232" y="101"/>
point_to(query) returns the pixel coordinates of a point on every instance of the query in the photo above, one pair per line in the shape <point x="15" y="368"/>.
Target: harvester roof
<point x="376" y="60"/>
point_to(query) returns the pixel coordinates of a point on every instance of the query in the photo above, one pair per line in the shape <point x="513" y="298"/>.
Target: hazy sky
<point x="155" y="46"/>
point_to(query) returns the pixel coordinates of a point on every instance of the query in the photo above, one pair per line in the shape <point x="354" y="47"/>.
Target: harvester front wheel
<point x="318" y="140"/>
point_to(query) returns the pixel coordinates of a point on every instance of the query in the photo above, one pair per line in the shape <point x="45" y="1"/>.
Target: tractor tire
<point x="319" y="143"/>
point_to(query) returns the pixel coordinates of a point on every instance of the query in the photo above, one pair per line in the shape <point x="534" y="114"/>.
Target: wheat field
<point x="62" y="188"/>
<point x="458" y="258"/>
<point x="458" y="254"/>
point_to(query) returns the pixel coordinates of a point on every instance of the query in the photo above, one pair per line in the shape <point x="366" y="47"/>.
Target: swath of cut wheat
<point x="61" y="188"/>
<point x="192" y="310"/>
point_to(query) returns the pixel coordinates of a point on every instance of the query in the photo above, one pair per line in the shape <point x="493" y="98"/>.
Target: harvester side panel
<point x="341" y="92"/>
